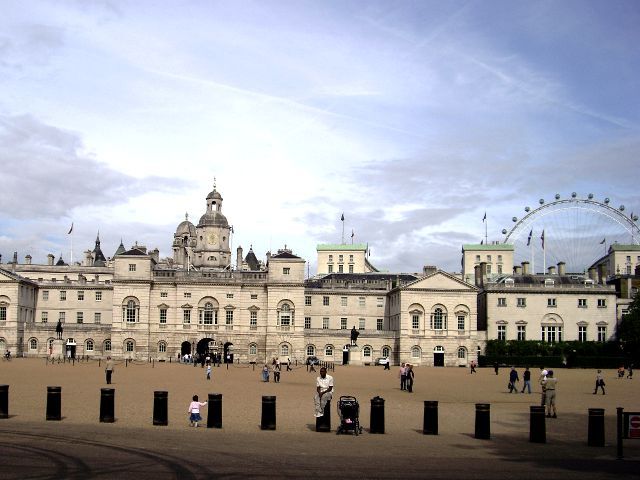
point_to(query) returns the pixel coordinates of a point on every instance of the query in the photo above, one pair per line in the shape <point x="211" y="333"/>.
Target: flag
<point x="71" y="229"/>
<point x="485" y="217"/>
<point x="603" y="240"/>
<point x="529" y="239"/>
<point x="481" y="242"/>
<point x="342" y="217"/>
<point x="542" y="238"/>
<point x="352" y="234"/>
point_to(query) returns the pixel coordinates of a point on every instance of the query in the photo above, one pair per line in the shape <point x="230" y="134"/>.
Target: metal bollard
<point x="537" y="425"/>
<point x="107" y="405"/>
<point x="430" y="424"/>
<point x="483" y="421"/>
<point x="160" y="415"/>
<point x="376" y="424"/>
<point x="596" y="427"/>
<point x="214" y="413"/>
<point x="4" y="401"/>
<point x="268" y="420"/>
<point x="54" y="395"/>
<point x="323" y="423"/>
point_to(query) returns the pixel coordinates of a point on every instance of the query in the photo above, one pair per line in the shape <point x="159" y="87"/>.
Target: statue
<point x="59" y="330"/>
<point x="354" y="336"/>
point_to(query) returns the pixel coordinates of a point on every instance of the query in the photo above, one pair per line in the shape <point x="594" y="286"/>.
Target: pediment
<point x="440" y="281"/>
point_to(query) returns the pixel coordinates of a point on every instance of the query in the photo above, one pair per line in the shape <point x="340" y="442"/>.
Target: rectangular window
<point x="380" y="301"/>
<point x="361" y="302"/>
<point x="499" y="269"/>
<point x="549" y="334"/>
<point x="582" y="333"/>
<point x="522" y="333"/>
<point x="3" y="314"/>
<point x="489" y="258"/>
<point x="602" y="334"/>
<point x="350" y="258"/>
<point x="379" y="323"/>
<point x="307" y="322"/>
<point x="340" y="258"/>
<point x="97" y="317"/>
<point x="132" y="267"/>
<point x="163" y="315"/>
<point x="253" y="318"/>
<point x="551" y="302"/>
<point x="340" y="268"/>
<point x="461" y="322"/>
<point x="286" y="270"/>
<point x="254" y="296"/>
<point x="325" y="323"/>
<point x="45" y="294"/>
<point x="489" y="269"/>
<point x="502" y="301"/>
<point x="343" y="301"/>
<point x="44" y="316"/>
<point x="80" y="295"/>
<point x="330" y="258"/>
<point x="62" y="316"/>
<point x="343" y="323"/>
<point x="602" y="303"/>
<point x="307" y="300"/>
<point x="350" y="268"/>
<point x="229" y="317"/>
<point x="522" y="302"/>
<point x="79" y="317"/>
<point x="186" y="316"/>
<point x="502" y="332"/>
<point x="499" y="258"/>
<point x="63" y="295"/>
<point x="187" y="294"/>
<point x="98" y="296"/>
<point x="330" y="268"/>
<point x="361" y="324"/>
<point x="582" y="303"/>
<point x="415" y="322"/>
<point x="477" y="258"/>
<point x="325" y="301"/>
<point x="164" y="294"/>
<point x="229" y="295"/>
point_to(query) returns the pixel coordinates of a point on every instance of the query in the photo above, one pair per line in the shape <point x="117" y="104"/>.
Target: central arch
<point x="204" y="346"/>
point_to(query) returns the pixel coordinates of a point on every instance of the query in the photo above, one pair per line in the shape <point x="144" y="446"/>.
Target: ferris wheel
<point x="577" y="231"/>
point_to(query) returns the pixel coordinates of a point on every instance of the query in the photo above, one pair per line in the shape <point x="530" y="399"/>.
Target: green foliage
<point x="569" y="351"/>
<point x="629" y="330"/>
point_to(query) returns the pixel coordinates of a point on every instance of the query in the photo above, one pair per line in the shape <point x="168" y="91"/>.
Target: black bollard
<point x="483" y="421"/>
<point x="160" y="416"/>
<point x="537" y="426"/>
<point x="54" y="395"/>
<point x="214" y="415"/>
<point x="107" y="405"/>
<point x="4" y="401"/>
<point x="268" y="420"/>
<point x="376" y="425"/>
<point x="430" y="423"/>
<point x="596" y="427"/>
<point x="323" y="423"/>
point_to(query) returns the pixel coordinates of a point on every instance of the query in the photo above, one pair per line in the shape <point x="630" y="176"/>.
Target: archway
<point x="438" y="356"/>
<point x="228" y="352"/>
<point x="185" y="348"/>
<point x="204" y="346"/>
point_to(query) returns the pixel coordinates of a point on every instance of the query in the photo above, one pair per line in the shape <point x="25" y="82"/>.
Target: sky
<point x="413" y="118"/>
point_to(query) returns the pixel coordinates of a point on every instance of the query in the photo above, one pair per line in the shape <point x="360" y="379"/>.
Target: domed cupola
<point x="186" y="227"/>
<point x="213" y="236"/>
<point x="213" y="215"/>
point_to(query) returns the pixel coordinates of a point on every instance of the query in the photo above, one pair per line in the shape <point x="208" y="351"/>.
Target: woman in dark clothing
<point x="410" y="376"/>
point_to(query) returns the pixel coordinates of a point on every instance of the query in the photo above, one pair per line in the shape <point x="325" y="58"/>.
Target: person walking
<point x="496" y="367"/>
<point x="630" y="372"/>
<point x="403" y="376"/>
<point x="265" y="373"/>
<point x="324" y="392"/>
<point x="276" y="373"/>
<point x="410" y="377"/>
<point x="513" y="378"/>
<point x="472" y="365"/>
<point x="550" y="384"/>
<point x="599" y="383"/>
<point x="526" y="380"/>
<point x="543" y="376"/>
<point x="289" y="369"/>
<point x="108" y="370"/>
<point x="194" y="411"/>
<point x="208" y="371"/>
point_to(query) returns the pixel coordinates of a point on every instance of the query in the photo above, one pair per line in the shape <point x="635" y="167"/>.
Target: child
<point x="194" y="411"/>
<point x="208" y="371"/>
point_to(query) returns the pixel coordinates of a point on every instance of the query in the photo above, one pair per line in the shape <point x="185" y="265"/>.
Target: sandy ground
<point x="455" y="389"/>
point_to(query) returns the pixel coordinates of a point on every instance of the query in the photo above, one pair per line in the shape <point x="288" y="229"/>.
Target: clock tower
<point x="212" y="246"/>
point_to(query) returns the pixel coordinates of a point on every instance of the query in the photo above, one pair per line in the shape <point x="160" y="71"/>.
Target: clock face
<point x="213" y="239"/>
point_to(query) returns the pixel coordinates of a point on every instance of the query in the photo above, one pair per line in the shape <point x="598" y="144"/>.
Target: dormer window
<point x="549" y="282"/>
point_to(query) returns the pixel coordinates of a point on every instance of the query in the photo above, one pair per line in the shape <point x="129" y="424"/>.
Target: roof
<point x="481" y="247"/>
<point x="120" y="249"/>
<point x="213" y="218"/>
<point x="325" y="247"/>
<point x="252" y="260"/>
<point x="617" y="247"/>
<point x="284" y="255"/>
<point x="134" y="251"/>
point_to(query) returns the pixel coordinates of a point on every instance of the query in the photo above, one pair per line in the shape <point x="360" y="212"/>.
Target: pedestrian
<point x="410" y="377"/>
<point x="599" y="383"/>
<point x="276" y="374"/>
<point x="621" y="371"/>
<point x="403" y="376"/>
<point x="542" y="381"/>
<point x="194" y="411"/>
<point x="324" y="392"/>
<point x="265" y="373"/>
<point x="496" y="367"/>
<point x="278" y="363"/>
<point x="550" y="384"/>
<point x="289" y="369"/>
<point x="208" y="371"/>
<point x="513" y="378"/>
<point x="387" y="363"/>
<point x="526" y="380"/>
<point x="630" y="372"/>
<point x="473" y="366"/>
<point x="108" y="370"/>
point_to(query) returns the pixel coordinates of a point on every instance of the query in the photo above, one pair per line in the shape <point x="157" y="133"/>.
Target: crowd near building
<point x="135" y="305"/>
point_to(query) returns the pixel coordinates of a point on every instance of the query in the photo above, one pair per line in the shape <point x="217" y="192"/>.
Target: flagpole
<point x="342" y="219"/>
<point x="533" y="267"/>
<point x="544" y="254"/>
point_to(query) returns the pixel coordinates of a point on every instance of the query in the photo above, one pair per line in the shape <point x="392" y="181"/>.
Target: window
<point x="362" y="302"/>
<point x="186" y="316"/>
<point x="386" y="351"/>
<point x="307" y="322"/>
<point x="522" y="333"/>
<point x="489" y="269"/>
<point x="45" y="294"/>
<point x="131" y="311"/>
<point x="163" y="315"/>
<point x="98" y="296"/>
<point x="229" y="295"/>
<point x="340" y="268"/>
<point x="379" y="323"/>
<point x="89" y="346"/>
<point x="285" y="315"/>
<point x="3" y="314"/>
<point x="551" y="303"/>
<point x="437" y="319"/>
<point x="350" y="268"/>
<point x="366" y="351"/>
<point x="489" y="258"/>
<point x="462" y="353"/>
<point x="254" y="296"/>
<point x="330" y="258"/>
<point x="502" y="301"/>
<point x="350" y="258"/>
<point x="162" y="347"/>
<point x="477" y="258"/>
<point x="499" y="258"/>
<point x="44" y="316"/>
<point x="340" y="258"/>
<point x="164" y="294"/>
<point x="253" y="319"/>
<point x="284" y="350"/>
<point x="325" y="323"/>
<point x="502" y="332"/>
<point x="79" y="317"/>
<point x="132" y="268"/>
<point x="522" y="302"/>
<point x="549" y="282"/>
<point x="286" y="270"/>
<point x="343" y="324"/>
<point x="343" y="301"/>
<point x="361" y="323"/>
<point x="129" y="346"/>
<point x="307" y="300"/>
<point x="97" y="317"/>
<point x="415" y="352"/>
<point x="33" y="344"/>
<point x="380" y="301"/>
<point x="461" y="322"/>
<point x="551" y="333"/>
<point x="602" y="303"/>
<point x="602" y="333"/>
<point x="330" y="268"/>
<point x="253" y="349"/>
<point x="229" y="317"/>
<point x="80" y="295"/>
<point x="415" y="321"/>
<point x="582" y="333"/>
<point x="328" y="351"/>
<point x="325" y="301"/>
<point x="63" y="295"/>
<point x="582" y="303"/>
<point x="62" y="316"/>
<point x="107" y="345"/>
<point x="208" y="314"/>
<point x="499" y="269"/>
<point x="311" y="350"/>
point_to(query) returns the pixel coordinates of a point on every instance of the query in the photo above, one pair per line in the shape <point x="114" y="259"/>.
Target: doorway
<point x="438" y="356"/>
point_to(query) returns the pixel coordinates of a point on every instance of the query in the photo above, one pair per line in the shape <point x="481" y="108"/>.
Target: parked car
<point x="313" y="361"/>
<point x="382" y="361"/>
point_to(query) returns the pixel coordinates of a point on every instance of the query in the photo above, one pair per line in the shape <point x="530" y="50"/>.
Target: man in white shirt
<point x="324" y="392"/>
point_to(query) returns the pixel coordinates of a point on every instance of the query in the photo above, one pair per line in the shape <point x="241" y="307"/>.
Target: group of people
<point x="406" y="375"/>
<point x="621" y="371"/>
<point x="203" y="359"/>
<point x="514" y="378"/>
<point x="276" y="368"/>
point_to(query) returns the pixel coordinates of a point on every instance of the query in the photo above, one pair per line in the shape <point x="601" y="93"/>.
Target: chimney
<point x="429" y="270"/>
<point x="525" y="268"/>
<point x="517" y="270"/>
<point x="50" y="259"/>
<point x="562" y="268"/>
<point x="88" y="258"/>
<point x="239" y="259"/>
<point x="592" y="274"/>
<point x="478" y="275"/>
<point x="551" y="270"/>
<point x="155" y="254"/>
<point x="483" y="267"/>
<point x="27" y="259"/>
<point x="15" y="257"/>
<point x="602" y="273"/>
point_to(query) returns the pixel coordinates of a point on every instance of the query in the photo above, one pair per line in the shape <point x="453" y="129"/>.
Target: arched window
<point x="311" y="350"/>
<point x="386" y="351"/>
<point x="129" y="346"/>
<point x="438" y="319"/>
<point x="415" y="352"/>
<point x="366" y="351"/>
<point x="284" y="350"/>
<point x="33" y="344"/>
<point x="131" y="311"/>
<point x="462" y="353"/>
<point x="253" y="349"/>
<point x="162" y="347"/>
<point x="284" y="315"/>
<point x="328" y="351"/>
<point x="209" y="315"/>
<point x="107" y="345"/>
<point x="88" y="346"/>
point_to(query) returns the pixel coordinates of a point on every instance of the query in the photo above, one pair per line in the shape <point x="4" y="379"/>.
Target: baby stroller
<point x="349" y="412"/>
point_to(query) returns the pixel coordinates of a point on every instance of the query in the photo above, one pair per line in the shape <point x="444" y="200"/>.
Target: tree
<point x="629" y="330"/>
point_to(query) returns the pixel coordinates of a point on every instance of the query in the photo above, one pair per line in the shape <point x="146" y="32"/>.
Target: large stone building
<point x="134" y="305"/>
